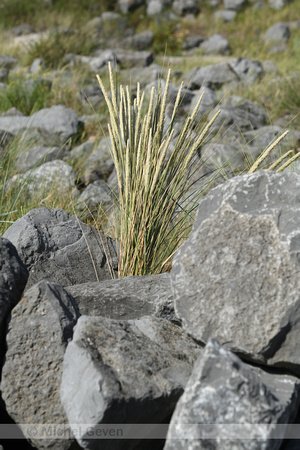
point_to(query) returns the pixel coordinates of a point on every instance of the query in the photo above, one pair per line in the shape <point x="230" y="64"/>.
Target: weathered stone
<point x="56" y="246"/>
<point x="225" y="14"/>
<point x="215" y="155"/>
<point x="13" y="279"/>
<point x="129" y="5"/>
<point x="279" y="33"/>
<point x="95" y="195"/>
<point x="124" y="372"/>
<point x="228" y="404"/>
<point x="58" y="121"/>
<point x="36" y="156"/>
<point x="235" y="5"/>
<point x="131" y="58"/>
<point x="91" y="95"/>
<point x="242" y="261"/>
<point x="54" y="176"/>
<point x="99" y="163"/>
<point x="279" y="4"/>
<point x="39" y="329"/>
<point x="7" y="62"/>
<point x="238" y="70"/>
<point x="127" y="298"/>
<point x="144" y="75"/>
<point x="215" y="45"/>
<point x="209" y="100"/>
<point x="237" y="118"/>
<point x="139" y="41"/>
<point x="184" y="7"/>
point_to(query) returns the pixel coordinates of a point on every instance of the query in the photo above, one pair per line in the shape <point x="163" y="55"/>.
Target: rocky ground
<point x="215" y="341"/>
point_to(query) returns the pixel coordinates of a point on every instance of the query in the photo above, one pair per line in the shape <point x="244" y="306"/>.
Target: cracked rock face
<point x="237" y="276"/>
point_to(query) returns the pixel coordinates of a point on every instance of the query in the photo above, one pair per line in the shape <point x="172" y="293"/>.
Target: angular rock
<point x="58" y="121"/>
<point x="238" y="70"/>
<point x="215" y="45"/>
<point x="91" y="96"/>
<point x="132" y="58"/>
<point x="145" y="75"/>
<point x="192" y="41"/>
<point x="129" y="5"/>
<point x="183" y="7"/>
<point x="139" y="41"/>
<point x="242" y="261"/>
<point x="228" y="404"/>
<point x="235" y="5"/>
<point x="279" y="4"/>
<point x="208" y="101"/>
<point x="237" y="118"/>
<point x="56" y="246"/>
<point x="216" y="155"/>
<point x="39" y="329"/>
<point x="7" y="62"/>
<point x="127" y="298"/>
<point x="124" y="372"/>
<point x="36" y="156"/>
<point x="155" y="7"/>
<point x="225" y="14"/>
<point x="13" y="279"/>
<point x="95" y="195"/>
<point x="54" y="176"/>
<point x="99" y="163"/>
<point x="279" y="33"/>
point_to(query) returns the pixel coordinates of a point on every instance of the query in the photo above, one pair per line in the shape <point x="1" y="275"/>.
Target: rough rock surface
<point x="13" y="279"/>
<point x="56" y="246"/>
<point x="39" y="329"/>
<point x="126" y="298"/>
<point x="226" y="402"/>
<point x="124" y="372"/>
<point x="241" y="261"/>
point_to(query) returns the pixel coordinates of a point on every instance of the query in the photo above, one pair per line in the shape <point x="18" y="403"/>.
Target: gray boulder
<point x="58" y="121"/>
<point x="225" y="14"/>
<point x="99" y="164"/>
<point x="242" y="261"/>
<point x="237" y="118"/>
<point x="238" y="70"/>
<point x="125" y="372"/>
<point x="7" y="62"/>
<point x="208" y="101"/>
<point x="216" y="155"/>
<point x="36" y="156"/>
<point x="39" y="329"/>
<point x="279" y="4"/>
<point x="277" y="34"/>
<point x="184" y="7"/>
<point x="129" y="5"/>
<point x="96" y="195"/>
<point x="56" y="246"/>
<point x="55" y="176"/>
<point x="144" y="75"/>
<point x="235" y="5"/>
<point x="139" y="41"/>
<point x="127" y="298"/>
<point x="13" y="279"/>
<point x="91" y="96"/>
<point x="215" y="45"/>
<point x="134" y="58"/>
<point x="155" y="7"/>
<point x="228" y="404"/>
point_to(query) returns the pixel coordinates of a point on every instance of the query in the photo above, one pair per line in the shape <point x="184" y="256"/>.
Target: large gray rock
<point x="56" y="246"/>
<point x="279" y="4"/>
<point x="58" y="121"/>
<point x="235" y="5"/>
<point x="39" y="329"/>
<point x="216" y="155"/>
<point x="7" y="62"/>
<point x="277" y="34"/>
<point x="139" y="41"/>
<point x="236" y="277"/>
<point x="238" y="70"/>
<point x="129" y="5"/>
<point x="215" y="45"/>
<point x="124" y="372"/>
<point x="55" y="176"/>
<point x="96" y="195"/>
<point x="183" y="7"/>
<point x="228" y="404"/>
<point x="36" y="156"/>
<point x="13" y="279"/>
<point x="126" y="298"/>
<point x="99" y="163"/>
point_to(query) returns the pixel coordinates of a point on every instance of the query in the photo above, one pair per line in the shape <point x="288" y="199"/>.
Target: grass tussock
<point x="155" y="173"/>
